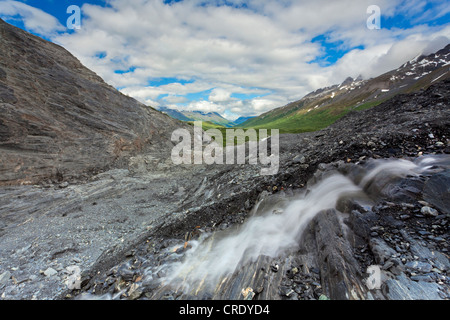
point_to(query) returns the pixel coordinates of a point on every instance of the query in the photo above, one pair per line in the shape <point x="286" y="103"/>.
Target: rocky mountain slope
<point x="240" y="120"/>
<point x="59" y="120"/>
<point x="322" y="107"/>
<point x="184" y="115"/>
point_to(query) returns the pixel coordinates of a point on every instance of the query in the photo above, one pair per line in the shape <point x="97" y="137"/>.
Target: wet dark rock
<point x="426" y="278"/>
<point x="419" y="266"/>
<point x="339" y="270"/>
<point x="126" y="274"/>
<point x="437" y="192"/>
<point x="416" y="290"/>
<point x="360" y="225"/>
<point x="381" y="250"/>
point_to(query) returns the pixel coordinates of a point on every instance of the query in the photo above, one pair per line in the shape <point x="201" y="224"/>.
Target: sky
<point x="234" y="57"/>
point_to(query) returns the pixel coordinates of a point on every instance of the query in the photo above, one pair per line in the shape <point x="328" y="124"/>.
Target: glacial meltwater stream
<point x="227" y="263"/>
<point x="274" y="229"/>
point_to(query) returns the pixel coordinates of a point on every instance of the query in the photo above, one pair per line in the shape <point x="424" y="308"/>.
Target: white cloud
<point x="220" y="95"/>
<point x="34" y="19"/>
<point x="206" y="106"/>
<point x="175" y="99"/>
<point x="263" y="49"/>
<point x="389" y="55"/>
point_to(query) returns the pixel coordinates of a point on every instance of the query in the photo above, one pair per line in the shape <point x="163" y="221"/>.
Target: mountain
<point x="212" y="117"/>
<point x="240" y="120"/>
<point x="174" y="114"/>
<point x="60" y="120"/>
<point x="324" y="106"/>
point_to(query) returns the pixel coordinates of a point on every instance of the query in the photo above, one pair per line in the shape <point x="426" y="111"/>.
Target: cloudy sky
<point x="235" y="57"/>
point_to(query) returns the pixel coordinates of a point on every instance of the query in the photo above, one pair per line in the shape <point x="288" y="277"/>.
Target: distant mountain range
<point x="212" y="117"/>
<point x="322" y="107"/>
<point x="240" y="120"/>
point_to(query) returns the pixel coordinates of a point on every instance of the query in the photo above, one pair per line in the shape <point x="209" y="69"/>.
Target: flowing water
<point x="277" y="222"/>
<point x="275" y="229"/>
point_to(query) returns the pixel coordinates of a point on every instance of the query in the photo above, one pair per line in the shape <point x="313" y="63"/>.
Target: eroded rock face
<point x="59" y="120"/>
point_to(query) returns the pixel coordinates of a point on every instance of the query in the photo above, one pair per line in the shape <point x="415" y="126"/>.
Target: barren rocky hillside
<point x="61" y="121"/>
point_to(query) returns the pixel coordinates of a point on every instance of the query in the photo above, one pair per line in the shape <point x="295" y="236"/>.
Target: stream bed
<point x="355" y="231"/>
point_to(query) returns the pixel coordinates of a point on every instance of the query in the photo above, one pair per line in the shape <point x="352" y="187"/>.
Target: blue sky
<point x="235" y="57"/>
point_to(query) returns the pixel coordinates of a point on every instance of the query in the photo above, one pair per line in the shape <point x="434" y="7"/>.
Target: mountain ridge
<point x="198" y="115"/>
<point x="320" y="108"/>
<point x="60" y="120"/>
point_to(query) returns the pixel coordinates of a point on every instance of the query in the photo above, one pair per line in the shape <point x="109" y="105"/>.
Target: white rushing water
<point x="266" y="233"/>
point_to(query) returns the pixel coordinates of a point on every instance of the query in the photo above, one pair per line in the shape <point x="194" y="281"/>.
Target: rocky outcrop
<point x="60" y="121"/>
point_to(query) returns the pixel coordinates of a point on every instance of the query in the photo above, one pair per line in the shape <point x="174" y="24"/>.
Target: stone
<point x="135" y="292"/>
<point x="388" y="264"/>
<point x="73" y="281"/>
<point x="419" y="266"/>
<point x="426" y="278"/>
<point x="403" y="288"/>
<point x="64" y="185"/>
<point x="381" y="250"/>
<point x="248" y="293"/>
<point x="4" y="277"/>
<point x="50" y="272"/>
<point x="436" y="191"/>
<point x="429" y="211"/>
<point x="440" y="260"/>
<point x="126" y="274"/>
<point x="299" y="159"/>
